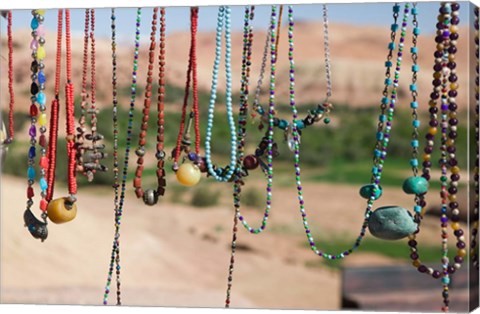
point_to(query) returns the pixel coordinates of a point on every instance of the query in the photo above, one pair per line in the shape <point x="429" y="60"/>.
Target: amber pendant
<point x="61" y="210"/>
<point x="38" y="229"/>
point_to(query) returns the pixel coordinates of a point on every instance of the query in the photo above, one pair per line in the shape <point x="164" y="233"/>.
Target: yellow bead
<point x="462" y="252"/>
<point x="454" y="86"/>
<point x="437" y="75"/>
<point x="451" y="57"/>
<point x="454" y="29"/>
<point x="452" y="197"/>
<point x="41" y="12"/>
<point x="42" y="120"/>
<point x="455" y="170"/>
<point x="450" y="142"/>
<point x="41" y="53"/>
<point x="188" y="174"/>
<point x="432" y="130"/>
<point x="426" y="157"/>
<point x="416" y="263"/>
<point x="455" y="225"/>
<point x="58" y="211"/>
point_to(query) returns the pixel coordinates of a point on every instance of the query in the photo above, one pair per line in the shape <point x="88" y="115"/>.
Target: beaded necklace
<point x="222" y="175"/>
<point x="89" y="151"/>
<point x="7" y="138"/>
<point x="445" y="89"/>
<point x="115" y="256"/>
<point x="188" y="174"/>
<point x="37" y="228"/>
<point x="383" y="131"/>
<point x="322" y="111"/>
<point x="150" y="196"/>
<point x="474" y="237"/>
<point x="243" y="114"/>
<point x="64" y="209"/>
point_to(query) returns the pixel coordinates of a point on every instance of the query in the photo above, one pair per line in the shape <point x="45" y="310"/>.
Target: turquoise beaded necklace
<point x="222" y="175"/>
<point x="383" y="131"/>
<point x="115" y="257"/>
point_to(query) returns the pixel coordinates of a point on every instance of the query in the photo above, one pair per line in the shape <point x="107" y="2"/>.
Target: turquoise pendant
<point x="391" y="223"/>
<point x="415" y="185"/>
<point x="366" y="191"/>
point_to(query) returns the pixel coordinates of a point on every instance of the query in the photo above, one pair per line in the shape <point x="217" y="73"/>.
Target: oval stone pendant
<point x="391" y="223"/>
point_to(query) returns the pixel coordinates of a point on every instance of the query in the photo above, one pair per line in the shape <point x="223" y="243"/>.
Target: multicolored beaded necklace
<point x="89" y="151"/>
<point x="150" y="196"/>
<point x="383" y="133"/>
<point x="222" y="174"/>
<point x="63" y="209"/>
<point x="243" y="114"/>
<point x="322" y="111"/>
<point x="474" y="237"/>
<point x="37" y="228"/>
<point x="444" y="88"/>
<point x="115" y="257"/>
<point x="7" y="138"/>
<point x="189" y="174"/>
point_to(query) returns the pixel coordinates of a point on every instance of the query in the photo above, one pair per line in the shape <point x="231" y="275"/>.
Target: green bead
<point x="366" y="191"/>
<point x="415" y="185"/>
<point x="391" y="223"/>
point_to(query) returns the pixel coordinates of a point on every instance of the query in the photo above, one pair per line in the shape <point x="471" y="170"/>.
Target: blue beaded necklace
<point x="372" y="191"/>
<point x="222" y="175"/>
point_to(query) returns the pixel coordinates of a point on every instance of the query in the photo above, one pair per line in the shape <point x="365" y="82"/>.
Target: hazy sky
<point x="178" y="17"/>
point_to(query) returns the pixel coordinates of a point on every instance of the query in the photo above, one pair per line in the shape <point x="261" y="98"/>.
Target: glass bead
<point x="32" y="131"/>
<point x="34" y="24"/>
<point x="41" y="98"/>
<point x="41" y="54"/>
<point x="43" y="184"/>
<point x="32" y="152"/>
<point x="188" y="174"/>
<point x="34" y="44"/>
<point x="42" y="120"/>
<point x="41" y="77"/>
<point x="31" y="173"/>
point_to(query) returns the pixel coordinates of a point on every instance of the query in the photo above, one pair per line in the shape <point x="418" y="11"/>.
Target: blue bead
<point x="414" y="50"/>
<point x="391" y="46"/>
<point x="377" y="153"/>
<point x="43" y="184"/>
<point x="394" y="27"/>
<point x="415" y="68"/>
<point x="385" y="100"/>
<point x="31" y="173"/>
<point x="283" y="124"/>
<point x="388" y="81"/>
<point x="32" y="152"/>
<point x="415" y="185"/>
<point x="414" y="162"/>
<point x="414" y="105"/>
<point x="396" y="8"/>
<point x="41" y="98"/>
<point x="388" y="64"/>
<point x="382" y="118"/>
<point x="414" y="143"/>
<point x="446" y="280"/>
<point x="417" y="209"/>
<point x="41" y="77"/>
<point x="34" y="24"/>
<point x="300" y="125"/>
<point x="367" y="191"/>
<point x="380" y="136"/>
<point x="416" y="123"/>
<point x="416" y="31"/>
<point x="374" y="170"/>
<point x="413" y="87"/>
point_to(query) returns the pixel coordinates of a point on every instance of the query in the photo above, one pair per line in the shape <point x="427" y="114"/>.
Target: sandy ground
<point x="176" y="255"/>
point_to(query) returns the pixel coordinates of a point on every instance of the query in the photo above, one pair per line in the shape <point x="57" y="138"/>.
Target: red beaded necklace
<point x="11" y="93"/>
<point x="89" y="152"/>
<point x="150" y="196"/>
<point x="62" y="209"/>
<point x="189" y="174"/>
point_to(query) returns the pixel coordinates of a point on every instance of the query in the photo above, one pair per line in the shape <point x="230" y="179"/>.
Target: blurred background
<point x="177" y="253"/>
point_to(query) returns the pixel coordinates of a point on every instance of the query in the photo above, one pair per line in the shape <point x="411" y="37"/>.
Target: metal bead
<point x="40" y="18"/>
<point x="140" y="152"/>
<point x="160" y="155"/>
<point x="150" y="197"/>
<point x="41" y="41"/>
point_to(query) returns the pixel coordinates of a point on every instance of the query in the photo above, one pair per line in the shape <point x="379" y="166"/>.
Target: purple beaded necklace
<point x="474" y="236"/>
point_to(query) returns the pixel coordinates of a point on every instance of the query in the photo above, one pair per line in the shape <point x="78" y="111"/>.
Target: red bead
<point x="43" y="141"/>
<point x="33" y="111"/>
<point x="43" y="205"/>
<point x="30" y="192"/>
<point x="44" y="162"/>
<point x="250" y="162"/>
